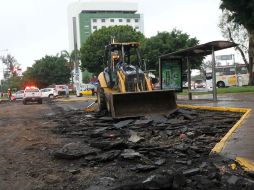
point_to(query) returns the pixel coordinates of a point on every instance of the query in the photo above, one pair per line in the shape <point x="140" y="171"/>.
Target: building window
<point x="128" y="20"/>
<point x="95" y="27"/>
<point x="94" y="20"/>
<point x="120" y="20"/>
<point x="103" y="20"/>
<point x="136" y="19"/>
<point x="103" y="27"/>
<point x="136" y="27"/>
<point x="112" y="20"/>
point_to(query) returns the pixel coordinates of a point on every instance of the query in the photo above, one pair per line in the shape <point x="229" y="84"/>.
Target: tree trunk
<point x="239" y="49"/>
<point x="251" y="56"/>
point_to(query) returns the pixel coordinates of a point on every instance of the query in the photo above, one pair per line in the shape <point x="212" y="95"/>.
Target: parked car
<point x="18" y="95"/>
<point x="199" y="83"/>
<point x="32" y="94"/>
<point x="62" y="90"/>
<point x="48" y="93"/>
<point x="186" y="85"/>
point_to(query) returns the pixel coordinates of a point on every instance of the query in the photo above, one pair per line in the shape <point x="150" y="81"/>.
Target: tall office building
<point x="91" y="16"/>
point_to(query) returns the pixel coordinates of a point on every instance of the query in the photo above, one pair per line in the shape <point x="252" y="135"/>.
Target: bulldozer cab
<point x="127" y="53"/>
<point x="118" y="55"/>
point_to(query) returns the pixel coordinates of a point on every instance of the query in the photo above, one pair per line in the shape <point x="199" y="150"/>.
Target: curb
<point x="247" y="164"/>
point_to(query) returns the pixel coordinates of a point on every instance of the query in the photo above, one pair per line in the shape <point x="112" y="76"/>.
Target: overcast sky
<point x="30" y="29"/>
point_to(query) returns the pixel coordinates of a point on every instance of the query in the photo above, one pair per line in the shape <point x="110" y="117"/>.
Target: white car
<point x="48" y="93"/>
<point x="32" y="94"/>
<point x="18" y="95"/>
<point x="62" y="90"/>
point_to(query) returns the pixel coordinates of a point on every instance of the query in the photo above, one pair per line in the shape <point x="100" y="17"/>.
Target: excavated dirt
<point x="47" y="147"/>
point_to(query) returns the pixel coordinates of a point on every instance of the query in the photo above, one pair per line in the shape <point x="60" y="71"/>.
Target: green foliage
<point x="48" y="70"/>
<point x="13" y="82"/>
<point x="92" y="51"/>
<point x="86" y="76"/>
<point x="167" y="42"/>
<point x="242" y="12"/>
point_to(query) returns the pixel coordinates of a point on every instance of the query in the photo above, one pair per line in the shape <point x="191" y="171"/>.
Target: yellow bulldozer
<point x="125" y="90"/>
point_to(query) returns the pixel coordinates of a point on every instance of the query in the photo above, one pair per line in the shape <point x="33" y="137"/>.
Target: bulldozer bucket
<point x="133" y="104"/>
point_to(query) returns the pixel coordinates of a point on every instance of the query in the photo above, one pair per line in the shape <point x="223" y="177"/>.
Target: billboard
<point x="171" y="74"/>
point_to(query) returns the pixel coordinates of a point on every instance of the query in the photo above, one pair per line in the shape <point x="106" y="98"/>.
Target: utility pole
<point x="76" y="61"/>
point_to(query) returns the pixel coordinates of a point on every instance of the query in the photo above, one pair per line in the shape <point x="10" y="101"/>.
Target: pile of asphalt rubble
<point x="152" y="152"/>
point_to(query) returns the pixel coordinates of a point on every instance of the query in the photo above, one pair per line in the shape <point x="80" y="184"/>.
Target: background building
<point x="93" y="16"/>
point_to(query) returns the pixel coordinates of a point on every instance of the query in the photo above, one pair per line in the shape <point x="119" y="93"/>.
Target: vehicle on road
<point x="199" y="83"/>
<point x="32" y="94"/>
<point x="229" y="75"/>
<point x="18" y="95"/>
<point x="49" y="93"/>
<point x="88" y="89"/>
<point x="62" y="90"/>
<point x="124" y="89"/>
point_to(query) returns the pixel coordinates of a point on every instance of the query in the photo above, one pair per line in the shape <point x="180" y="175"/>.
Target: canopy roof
<point x="201" y="50"/>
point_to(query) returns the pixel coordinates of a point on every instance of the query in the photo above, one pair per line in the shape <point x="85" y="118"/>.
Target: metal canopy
<point x="201" y="50"/>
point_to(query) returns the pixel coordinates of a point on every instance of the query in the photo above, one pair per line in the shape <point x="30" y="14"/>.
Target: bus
<point x="229" y="75"/>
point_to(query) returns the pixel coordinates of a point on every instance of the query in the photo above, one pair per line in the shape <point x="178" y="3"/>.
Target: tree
<point x="11" y="64"/>
<point x="48" y="70"/>
<point x="236" y="33"/>
<point x="167" y="42"/>
<point x="71" y="60"/>
<point x="242" y="13"/>
<point x="92" y="51"/>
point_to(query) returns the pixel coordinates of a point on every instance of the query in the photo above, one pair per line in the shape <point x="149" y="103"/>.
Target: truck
<point x="32" y="94"/>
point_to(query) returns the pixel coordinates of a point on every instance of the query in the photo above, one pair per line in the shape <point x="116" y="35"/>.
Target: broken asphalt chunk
<point x="158" y="181"/>
<point x="108" y="156"/>
<point x="123" y="123"/>
<point x="134" y="137"/>
<point x="160" y="162"/>
<point x="142" y="122"/>
<point x="233" y="180"/>
<point x="157" y="118"/>
<point x="74" y="151"/>
<point x="179" y="180"/>
<point x="191" y="172"/>
<point x="98" y="132"/>
<point x="109" y="144"/>
<point x="130" y="154"/>
<point x="144" y="168"/>
<point x="74" y="171"/>
<point x="106" y="118"/>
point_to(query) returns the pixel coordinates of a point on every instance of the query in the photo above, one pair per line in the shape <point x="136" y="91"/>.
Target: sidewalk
<point x="241" y="144"/>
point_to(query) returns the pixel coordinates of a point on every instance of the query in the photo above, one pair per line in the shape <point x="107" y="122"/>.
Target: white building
<point x="91" y="16"/>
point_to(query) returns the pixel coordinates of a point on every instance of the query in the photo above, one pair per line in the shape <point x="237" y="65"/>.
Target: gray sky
<point x="30" y="29"/>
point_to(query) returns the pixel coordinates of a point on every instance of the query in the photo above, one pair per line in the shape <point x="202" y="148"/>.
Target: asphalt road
<point x="74" y="105"/>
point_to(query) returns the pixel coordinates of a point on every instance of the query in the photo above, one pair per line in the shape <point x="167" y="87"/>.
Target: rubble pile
<point x="152" y="152"/>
